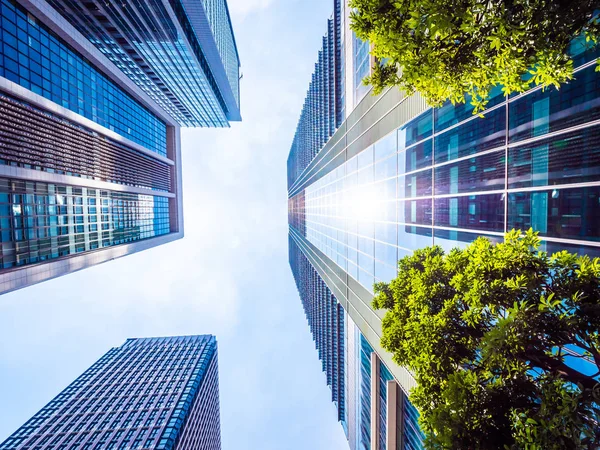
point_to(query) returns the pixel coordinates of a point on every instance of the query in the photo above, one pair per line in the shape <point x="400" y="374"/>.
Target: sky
<point x="229" y="276"/>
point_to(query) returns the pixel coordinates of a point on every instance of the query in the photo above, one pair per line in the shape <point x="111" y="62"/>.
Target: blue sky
<point x="229" y="276"/>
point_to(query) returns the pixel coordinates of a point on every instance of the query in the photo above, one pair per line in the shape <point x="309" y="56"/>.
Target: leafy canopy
<point x="487" y="332"/>
<point x="445" y="49"/>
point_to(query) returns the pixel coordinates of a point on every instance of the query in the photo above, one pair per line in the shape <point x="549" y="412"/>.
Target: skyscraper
<point x="92" y="98"/>
<point x="397" y="175"/>
<point x="150" y="393"/>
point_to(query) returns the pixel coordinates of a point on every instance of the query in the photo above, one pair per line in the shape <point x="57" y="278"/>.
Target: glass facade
<point x="154" y="393"/>
<point x="323" y="107"/>
<point x="218" y="17"/>
<point x="164" y="56"/>
<point x="446" y="177"/>
<point x="412" y="436"/>
<point x="364" y="426"/>
<point x="362" y="67"/>
<point x="326" y="321"/>
<point x="41" y="221"/>
<point x="38" y="60"/>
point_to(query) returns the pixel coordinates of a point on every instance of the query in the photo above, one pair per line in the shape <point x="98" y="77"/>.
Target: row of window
<point x="35" y="58"/>
<point x="103" y="409"/>
<point x="40" y="221"/>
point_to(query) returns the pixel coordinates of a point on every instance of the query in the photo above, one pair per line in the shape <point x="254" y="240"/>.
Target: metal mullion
<point x="149" y="49"/>
<point x="553" y="134"/>
<point x="188" y="93"/>
<point x="540" y="87"/>
<point x="49" y="132"/>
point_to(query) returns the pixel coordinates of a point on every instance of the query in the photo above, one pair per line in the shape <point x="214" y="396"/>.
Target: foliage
<point x="486" y="331"/>
<point x="445" y="49"/>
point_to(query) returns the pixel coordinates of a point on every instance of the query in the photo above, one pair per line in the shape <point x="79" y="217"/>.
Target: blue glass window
<point x="40" y="221"/>
<point x="365" y="394"/>
<point x="39" y="60"/>
<point x="472" y="137"/>
<point x="416" y="157"/>
<point x="475" y="212"/>
<point x="563" y="213"/>
<point x="481" y="173"/>
<point x="550" y="110"/>
<point x="417" y="212"/>
<point x="450" y="114"/>
<point x="568" y="158"/>
<point x="416" y="130"/>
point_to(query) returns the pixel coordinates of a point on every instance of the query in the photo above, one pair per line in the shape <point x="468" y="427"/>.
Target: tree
<point x="488" y="333"/>
<point x="446" y="49"/>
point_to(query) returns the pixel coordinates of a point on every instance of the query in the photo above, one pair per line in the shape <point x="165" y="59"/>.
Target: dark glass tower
<point x="150" y="393"/>
<point x="92" y="98"/>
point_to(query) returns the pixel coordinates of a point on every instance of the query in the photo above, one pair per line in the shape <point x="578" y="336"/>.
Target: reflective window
<point x="554" y="247"/>
<point x="412" y="238"/>
<point x="416" y="157"/>
<point x="418" y="212"/>
<point x="416" y="184"/>
<point x="583" y="52"/>
<point x="450" y="114"/>
<point x="568" y="158"/>
<point x="472" y="137"/>
<point x="546" y="111"/>
<point x="449" y="239"/>
<point x="476" y="212"/>
<point x="40" y="221"/>
<point x="364" y="418"/>
<point x="386" y="146"/>
<point x="563" y="213"/>
<point x="481" y="173"/>
<point x="362" y="67"/>
<point x="416" y="130"/>
<point x="38" y="60"/>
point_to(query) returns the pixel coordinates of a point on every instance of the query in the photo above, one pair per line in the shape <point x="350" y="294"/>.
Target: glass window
<point x="449" y="239"/>
<point x="550" y="110"/>
<point x="416" y="130"/>
<point x="386" y="146"/>
<point x="450" y="114"/>
<point x="106" y="104"/>
<point x="481" y="173"/>
<point x="572" y="213"/>
<point x="418" y="212"/>
<point x="476" y="212"/>
<point x="472" y="137"/>
<point x="553" y="247"/>
<point x="569" y="158"/>
<point x="416" y="184"/>
<point x="386" y="168"/>
<point x="416" y="157"/>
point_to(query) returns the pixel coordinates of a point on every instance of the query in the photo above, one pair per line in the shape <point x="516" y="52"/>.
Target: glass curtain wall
<point x="448" y="176"/>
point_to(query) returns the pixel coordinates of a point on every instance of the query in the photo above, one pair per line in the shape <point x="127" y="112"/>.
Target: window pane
<point x="569" y="158"/>
<point x="477" y="212"/>
<point x="472" y="137"/>
<point x="415" y="211"/>
<point x="482" y="173"/>
<point x="416" y="130"/>
<point x="563" y="213"/>
<point x="551" y="110"/>
<point x="413" y="238"/>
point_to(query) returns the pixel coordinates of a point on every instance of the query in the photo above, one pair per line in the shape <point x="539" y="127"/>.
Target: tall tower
<point x="92" y="98"/>
<point x="150" y="393"/>
<point x="396" y="176"/>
